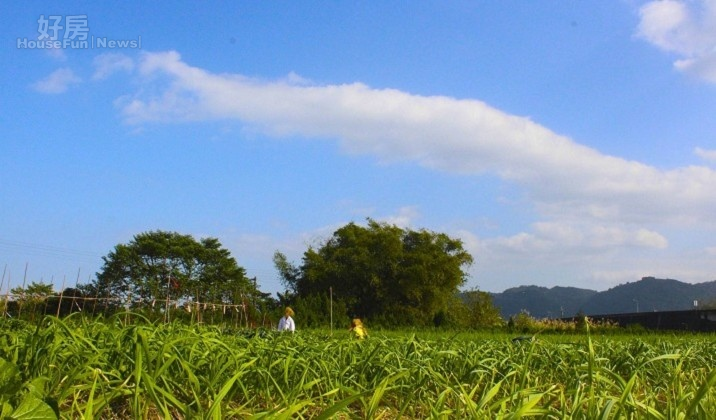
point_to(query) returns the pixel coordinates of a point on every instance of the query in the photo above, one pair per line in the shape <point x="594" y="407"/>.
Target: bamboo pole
<point x="96" y="298"/>
<point x="3" y="278"/>
<point x="24" y="279"/>
<point x="62" y="292"/>
<point x="7" y="297"/>
<point x="1" y="285"/>
<point x="77" y="280"/>
<point x="47" y="301"/>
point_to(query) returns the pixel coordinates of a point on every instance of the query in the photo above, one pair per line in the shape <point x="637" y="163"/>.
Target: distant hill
<point x="542" y="302"/>
<point x="649" y="294"/>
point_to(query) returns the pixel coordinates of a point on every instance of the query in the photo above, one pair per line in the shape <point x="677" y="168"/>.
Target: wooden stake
<point x="73" y="295"/>
<point x="59" y="305"/>
<point x="24" y="279"/>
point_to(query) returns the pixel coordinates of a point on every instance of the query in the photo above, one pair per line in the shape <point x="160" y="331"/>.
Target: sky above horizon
<point x="568" y="143"/>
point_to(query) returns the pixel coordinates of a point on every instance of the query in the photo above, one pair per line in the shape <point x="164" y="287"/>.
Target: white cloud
<point x="564" y="179"/>
<point x="295" y="79"/>
<point x="687" y="29"/>
<point x="709" y="155"/>
<point x="580" y="254"/>
<point x="579" y="238"/>
<point x="57" y="82"/>
<point x="588" y="258"/>
<point x="650" y="239"/>
<point x="405" y="217"/>
<point x="107" y="64"/>
<point x="703" y="67"/>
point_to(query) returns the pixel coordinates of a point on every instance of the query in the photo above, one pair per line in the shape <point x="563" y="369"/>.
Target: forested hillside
<point x="647" y="294"/>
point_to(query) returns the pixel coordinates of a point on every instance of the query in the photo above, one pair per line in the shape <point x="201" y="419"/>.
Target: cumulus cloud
<point x="57" y="82"/>
<point x="107" y="64"/>
<point x="687" y="29"/>
<point x="564" y="179"/>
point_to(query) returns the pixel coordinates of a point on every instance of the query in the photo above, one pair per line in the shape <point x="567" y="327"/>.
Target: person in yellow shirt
<point x="357" y="329"/>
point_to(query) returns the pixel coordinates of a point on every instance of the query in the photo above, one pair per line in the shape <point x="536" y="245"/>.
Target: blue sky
<point x="567" y="143"/>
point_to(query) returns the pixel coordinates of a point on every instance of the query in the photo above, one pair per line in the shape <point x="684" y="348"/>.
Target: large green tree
<point x="160" y="264"/>
<point x="382" y="272"/>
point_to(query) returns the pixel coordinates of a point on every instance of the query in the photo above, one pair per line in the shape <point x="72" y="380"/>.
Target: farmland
<point x="127" y="367"/>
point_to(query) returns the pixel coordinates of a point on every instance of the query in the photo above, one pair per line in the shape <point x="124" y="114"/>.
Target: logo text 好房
<point x="75" y="35"/>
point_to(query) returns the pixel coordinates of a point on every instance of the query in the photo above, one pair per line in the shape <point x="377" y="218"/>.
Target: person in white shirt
<point x="286" y="323"/>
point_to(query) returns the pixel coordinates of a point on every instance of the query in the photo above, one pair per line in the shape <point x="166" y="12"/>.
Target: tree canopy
<point x="382" y="271"/>
<point x="161" y="265"/>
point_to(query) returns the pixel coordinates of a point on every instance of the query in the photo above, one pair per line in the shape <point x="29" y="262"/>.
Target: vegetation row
<point x="128" y="367"/>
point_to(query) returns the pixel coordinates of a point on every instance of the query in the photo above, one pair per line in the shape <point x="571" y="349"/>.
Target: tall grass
<point x="128" y="367"/>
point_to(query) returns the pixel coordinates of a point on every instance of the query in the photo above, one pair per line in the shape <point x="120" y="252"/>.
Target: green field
<point x="125" y="367"/>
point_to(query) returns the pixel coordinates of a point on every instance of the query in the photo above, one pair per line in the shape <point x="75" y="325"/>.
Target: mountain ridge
<point x="648" y="294"/>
